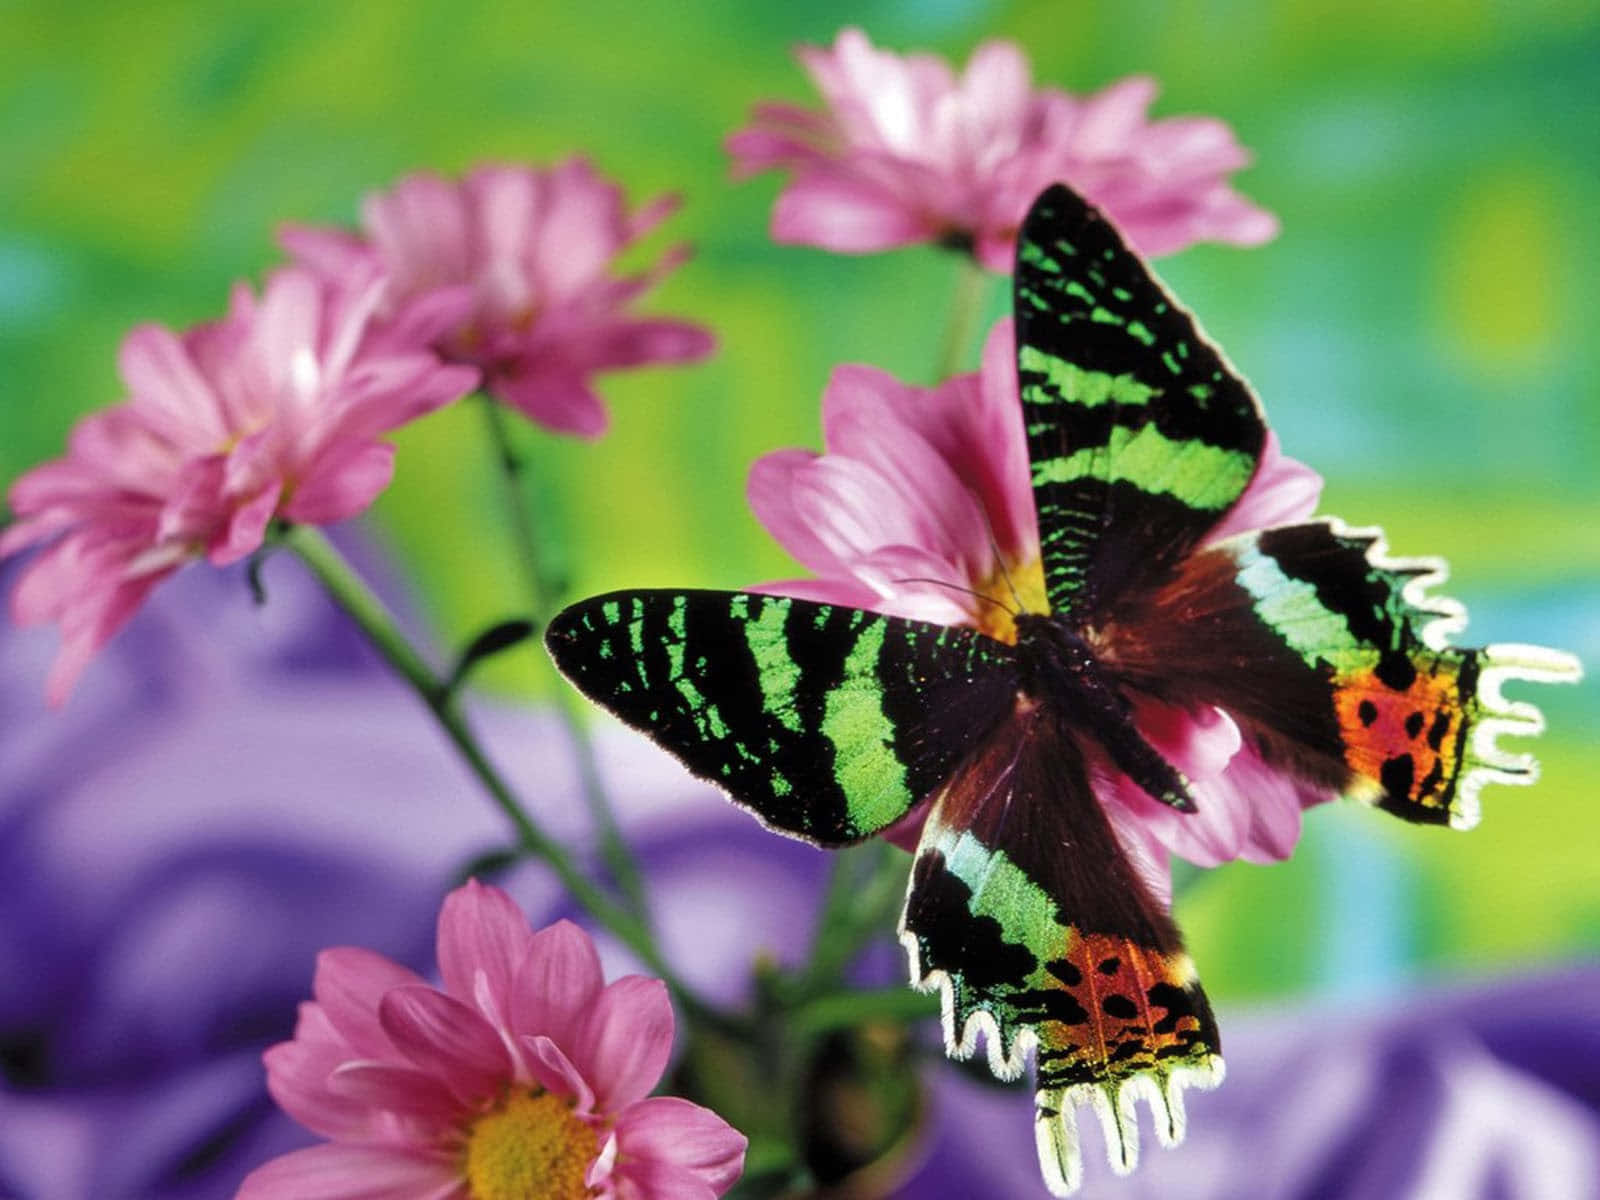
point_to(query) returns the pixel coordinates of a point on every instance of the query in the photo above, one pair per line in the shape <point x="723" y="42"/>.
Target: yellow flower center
<point x="1026" y="583"/>
<point x="532" y="1145"/>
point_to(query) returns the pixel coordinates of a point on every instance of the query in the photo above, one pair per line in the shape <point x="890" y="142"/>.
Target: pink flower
<point x="923" y="498"/>
<point x="272" y="411"/>
<point x="906" y="152"/>
<point x="536" y="247"/>
<point x="525" y="1075"/>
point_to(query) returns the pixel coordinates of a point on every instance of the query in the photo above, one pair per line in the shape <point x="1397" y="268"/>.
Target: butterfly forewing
<point x="1025" y="912"/>
<point x="1140" y="435"/>
<point x="1333" y="656"/>
<point x="828" y="722"/>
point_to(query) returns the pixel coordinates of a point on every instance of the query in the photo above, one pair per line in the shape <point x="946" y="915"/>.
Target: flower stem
<point x="844" y="1010"/>
<point x="866" y="884"/>
<point x="965" y="307"/>
<point x="352" y="594"/>
<point x="545" y="597"/>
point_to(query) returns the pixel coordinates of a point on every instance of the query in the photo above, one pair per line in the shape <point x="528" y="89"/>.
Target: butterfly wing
<point x="1140" y="434"/>
<point x="1334" y="656"/>
<point x="828" y="723"/>
<point x="1026" y="914"/>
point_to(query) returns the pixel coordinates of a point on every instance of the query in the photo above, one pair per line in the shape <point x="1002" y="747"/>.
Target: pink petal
<point x="555" y="1072"/>
<point x="771" y="492"/>
<point x="998" y="459"/>
<point x="297" y="1077"/>
<point x="915" y="583"/>
<point x="331" y="253"/>
<point x="842" y="213"/>
<point x="580" y="228"/>
<point x="667" y="1130"/>
<point x="1274" y="801"/>
<point x="1199" y="742"/>
<point x="625" y="1040"/>
<point x="338" y="1172"/>
<point x="863" y="420"/>
<point x="168" y="391"/>
<point x="96" y="620"/>
<point x="1146" y="852"/>
<point x="428" y="317"/>
<point x="285" y="331"/>
<point x="446" y="1039"/>
<point x="349" y="984"/>
<point x="483" y="941"/>
<point x="344" y="481"/>
<point x="562" y="402"/>
<point x="995" y="87"/>
<point x="247" y="528"/>
<point x="1283" y="491"/>
<point x="421" y="232"/>
<point x="403" y="1091"/>
<point x="557" y="983"/>
<point x="651" y="340"/>
<point x="1110" y="118"/>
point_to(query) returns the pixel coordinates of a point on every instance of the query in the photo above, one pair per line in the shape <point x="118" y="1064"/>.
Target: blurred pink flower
<point x="923" y="497"/>
<point x="536" y="247"/>
<point x="273" y="410"/>
<point x="526" y="1075"/>
<point x="905" y="152"/>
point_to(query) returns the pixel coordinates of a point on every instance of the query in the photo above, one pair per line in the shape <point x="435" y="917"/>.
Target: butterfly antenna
<point x="956" y="587"/>
<point x="994" y="545"/>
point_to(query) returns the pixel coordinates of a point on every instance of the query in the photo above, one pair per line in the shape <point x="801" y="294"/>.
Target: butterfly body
<point x="1024" y="909"/>
<point x="1057" y="664"/>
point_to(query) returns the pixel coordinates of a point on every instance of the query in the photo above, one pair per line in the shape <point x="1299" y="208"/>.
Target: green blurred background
<point x="1422" y="332"/>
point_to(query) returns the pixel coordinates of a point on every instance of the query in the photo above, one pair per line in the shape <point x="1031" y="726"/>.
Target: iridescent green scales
<point x="1139" y="433"/>
<point x="1023" y="910"/>
<point x="828" y="722"/>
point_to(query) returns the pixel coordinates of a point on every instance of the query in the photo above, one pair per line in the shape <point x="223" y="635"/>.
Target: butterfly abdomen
<point x="1058" y="666"/>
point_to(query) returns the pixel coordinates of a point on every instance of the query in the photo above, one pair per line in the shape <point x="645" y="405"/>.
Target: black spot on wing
<point x="1397" y="775"/>
<point x="1119" y="1006"/>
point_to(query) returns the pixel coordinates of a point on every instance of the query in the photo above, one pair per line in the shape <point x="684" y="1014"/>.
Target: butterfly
<point x="832" y="723"/>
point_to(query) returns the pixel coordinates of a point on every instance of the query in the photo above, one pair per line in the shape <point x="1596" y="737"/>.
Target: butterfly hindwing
<point x="828" y="722"/>
<point x="1026" y="914"/>
<point x="1140" y="434"/>
<point x="1335" y="657"/>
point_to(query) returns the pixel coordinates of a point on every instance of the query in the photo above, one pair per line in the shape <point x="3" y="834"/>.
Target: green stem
<point x="545" y="597"/>
<point x="844" y="1010"/>
<point x="368" y="612"/>
<point x="965" y="307"/>
<point x="865" y="889"/>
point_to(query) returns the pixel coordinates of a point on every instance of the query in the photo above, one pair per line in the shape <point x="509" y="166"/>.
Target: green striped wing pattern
<point x="1140" y="434"/>
<point x="829" y="723"/>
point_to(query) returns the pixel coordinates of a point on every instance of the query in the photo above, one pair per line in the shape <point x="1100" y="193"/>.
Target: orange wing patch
<point x="1131" y="1009"/>
<point x="1404" y="737"/>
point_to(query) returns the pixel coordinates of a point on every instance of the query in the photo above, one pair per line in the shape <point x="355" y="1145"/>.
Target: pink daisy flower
<point x="536" y="247"/>
<point x="923" y="498"/>
<point x="904" y="151"/>
<point x="525" y="1075"/>
<point x="272" y="411"/>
